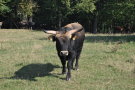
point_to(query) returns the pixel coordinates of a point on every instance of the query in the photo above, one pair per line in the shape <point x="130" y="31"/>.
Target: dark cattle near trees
<point x="127" y="28"/>
<point x="122" y="29"/>
<point x="26" y="24"/>
<point x="69" y="42"/>
<point x="118" y="29"/>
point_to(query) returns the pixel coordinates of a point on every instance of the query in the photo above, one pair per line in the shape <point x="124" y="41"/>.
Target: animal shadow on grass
<point x="31" y="71"/>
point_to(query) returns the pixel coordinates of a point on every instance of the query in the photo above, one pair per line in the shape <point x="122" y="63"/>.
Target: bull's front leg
<point x="63" y="66"/>
<point x="63" y="62"/>
<point x="69" y="70"/>
<point x="69" y="66"/>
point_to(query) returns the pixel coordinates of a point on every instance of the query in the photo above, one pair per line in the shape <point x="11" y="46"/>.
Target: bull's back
<point x="76" y="26"/>
<point x="80" y="36"/>
<point x="72" y="26"/>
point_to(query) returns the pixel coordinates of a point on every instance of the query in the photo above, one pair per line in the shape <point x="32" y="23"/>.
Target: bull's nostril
<point x="64" y="53"/>
<point x="67" y="53"/>
<point x="61" y="53"/>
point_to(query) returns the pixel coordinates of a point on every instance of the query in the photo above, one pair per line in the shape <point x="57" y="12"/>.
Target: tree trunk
<point x="90" y="26"/>
<point x="59" y="23"/>
<point x="95" y="25"/>
<point x="30" y="22"/>
<point x="60" y="20"/>
<point x="0" y="25"/>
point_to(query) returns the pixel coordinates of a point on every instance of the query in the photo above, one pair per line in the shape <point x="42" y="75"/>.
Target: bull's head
<point x="64" y="40"/>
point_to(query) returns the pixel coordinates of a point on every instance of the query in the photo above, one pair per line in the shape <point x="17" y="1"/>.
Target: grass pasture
<point x="28" y="61"/>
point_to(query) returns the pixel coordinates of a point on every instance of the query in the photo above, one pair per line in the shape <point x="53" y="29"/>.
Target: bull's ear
<point x="52" y="38"/>
<point x="74" y="37"/>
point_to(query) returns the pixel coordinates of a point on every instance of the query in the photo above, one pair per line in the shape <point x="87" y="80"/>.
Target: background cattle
<point x="26" y="24"/>
<point x="118" y="29"/>
<point x="122" y="29"/>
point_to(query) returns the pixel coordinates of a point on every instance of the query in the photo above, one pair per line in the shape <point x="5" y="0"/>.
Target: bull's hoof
<point x="76" y="68"/>
<point x="68" y="77"/>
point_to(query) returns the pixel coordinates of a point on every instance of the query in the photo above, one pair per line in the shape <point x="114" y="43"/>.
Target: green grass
<point x="28" y="61"/>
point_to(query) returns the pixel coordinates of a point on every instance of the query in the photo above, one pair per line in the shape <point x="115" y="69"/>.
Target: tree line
<point x="97" y="16"/>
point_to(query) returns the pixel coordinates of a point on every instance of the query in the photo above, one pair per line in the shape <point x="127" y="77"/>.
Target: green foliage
<point x="119" y="10"/>
<point x="54" y="12"/>
<point x="26" y="7"/>
<point x="3" y="6"/>
<point x="86" y="6"/>
<point x="94" y="15"/>
<point x="115" y="12"/>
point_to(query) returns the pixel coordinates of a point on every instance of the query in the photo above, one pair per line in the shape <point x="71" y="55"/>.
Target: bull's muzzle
<point x="64" y="53"/>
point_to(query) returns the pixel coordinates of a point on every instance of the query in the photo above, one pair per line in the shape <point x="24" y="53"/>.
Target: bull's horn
<point x="73" y="31"/>
<point x="50" y="31"/>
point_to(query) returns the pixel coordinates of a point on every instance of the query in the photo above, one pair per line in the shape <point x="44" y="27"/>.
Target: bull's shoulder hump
<point x="73" y="24"/>
<point x="68" y="25"/>
<point x="76" y="25"/>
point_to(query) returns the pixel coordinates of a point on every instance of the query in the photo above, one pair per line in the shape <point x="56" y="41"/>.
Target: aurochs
<point x="69" y="43"/>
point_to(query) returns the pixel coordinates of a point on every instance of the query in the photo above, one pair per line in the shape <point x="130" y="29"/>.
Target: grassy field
<point x="28" y="61"/>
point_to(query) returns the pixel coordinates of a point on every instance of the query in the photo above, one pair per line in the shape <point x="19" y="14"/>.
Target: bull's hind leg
<point x="72" y="64"/>
<point x="77" y="58"/>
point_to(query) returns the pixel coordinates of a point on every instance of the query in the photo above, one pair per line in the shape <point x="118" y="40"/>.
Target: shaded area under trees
<point x="97" y="16"/>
